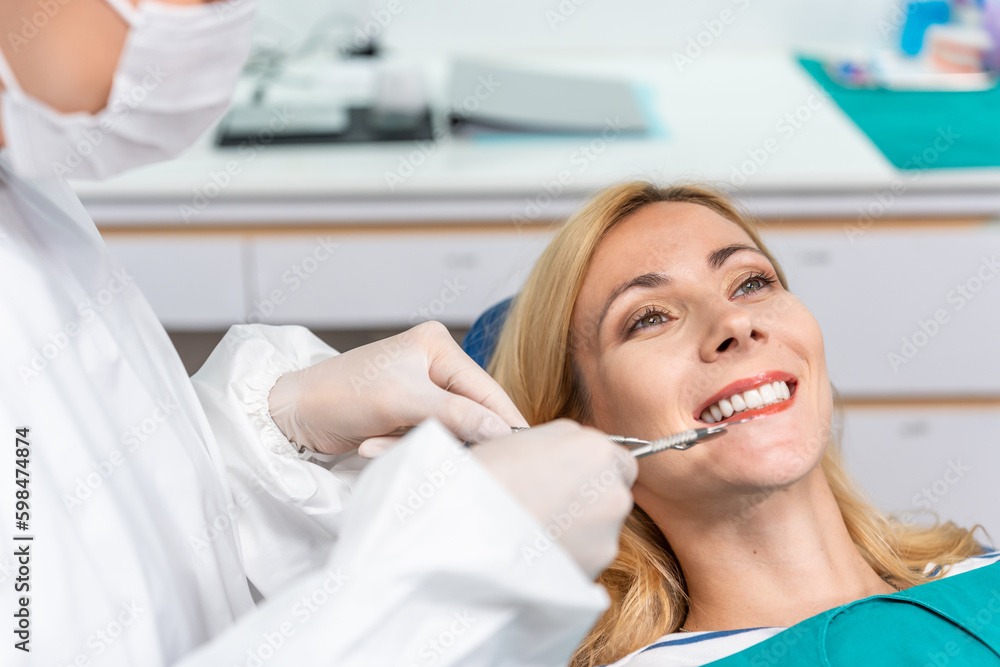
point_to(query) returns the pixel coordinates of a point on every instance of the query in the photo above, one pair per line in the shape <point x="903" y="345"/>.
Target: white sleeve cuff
<point x="290" y="502"/>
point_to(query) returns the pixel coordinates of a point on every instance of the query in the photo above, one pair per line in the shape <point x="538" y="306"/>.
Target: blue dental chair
<point x="481" y="340"/>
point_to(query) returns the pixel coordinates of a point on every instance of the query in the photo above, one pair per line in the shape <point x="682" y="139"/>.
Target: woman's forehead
<point x="661" y="237"/>
<point x="672" y="224"/>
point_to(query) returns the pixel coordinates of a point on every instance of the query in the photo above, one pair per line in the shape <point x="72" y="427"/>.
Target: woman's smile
<point x="750" y="398"/>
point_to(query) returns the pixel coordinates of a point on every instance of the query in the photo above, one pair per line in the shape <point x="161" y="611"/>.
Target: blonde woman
<point x="657" y="309"/>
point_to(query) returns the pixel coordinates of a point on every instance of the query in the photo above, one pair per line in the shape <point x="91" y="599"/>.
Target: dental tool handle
<point x="628" y="442"/>
<point x="679" y="440"/>
<point x="682" y="440"/>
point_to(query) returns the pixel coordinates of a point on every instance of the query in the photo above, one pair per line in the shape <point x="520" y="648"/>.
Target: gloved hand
<point x="572" y="479"/>
<point x="359" y="398"/>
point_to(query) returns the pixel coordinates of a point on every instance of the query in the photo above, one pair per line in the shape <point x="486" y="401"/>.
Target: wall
<point x="643" y="25"/>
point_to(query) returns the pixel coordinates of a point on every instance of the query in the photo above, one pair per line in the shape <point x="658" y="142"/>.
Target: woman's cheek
<point x="627" y="398"/>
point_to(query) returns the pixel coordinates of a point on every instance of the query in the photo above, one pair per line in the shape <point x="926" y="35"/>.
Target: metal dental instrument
<point x="681" y="441"/>
<point x="640" y="448"/>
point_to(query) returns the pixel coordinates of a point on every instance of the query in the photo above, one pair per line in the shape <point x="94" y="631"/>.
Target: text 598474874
<point x="22" y="539"/>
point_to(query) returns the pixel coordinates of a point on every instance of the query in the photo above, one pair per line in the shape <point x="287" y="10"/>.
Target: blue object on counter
<point x="920" y="15"/>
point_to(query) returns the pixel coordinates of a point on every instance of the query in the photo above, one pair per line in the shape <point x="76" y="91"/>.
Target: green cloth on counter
<point x="922" y="129"/>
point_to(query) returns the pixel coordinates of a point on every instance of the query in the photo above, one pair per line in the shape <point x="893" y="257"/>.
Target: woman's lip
<point x="740" y="386"/>
<point x="760" y="412"/>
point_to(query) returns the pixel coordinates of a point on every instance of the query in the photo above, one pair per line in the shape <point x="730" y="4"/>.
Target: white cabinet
<point x="904" y="312"/>
<point x="192" y="282"/>
<point x="946" y="460"/>
<point x="388" y="280"/>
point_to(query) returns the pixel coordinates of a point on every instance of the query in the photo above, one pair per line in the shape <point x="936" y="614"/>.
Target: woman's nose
<point x="731" y="328"/>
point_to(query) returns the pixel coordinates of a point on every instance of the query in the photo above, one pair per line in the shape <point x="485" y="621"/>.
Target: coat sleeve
<point x="290" y="505"/>
<point x="436" y="565"/>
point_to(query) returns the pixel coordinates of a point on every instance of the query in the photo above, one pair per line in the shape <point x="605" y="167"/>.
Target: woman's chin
<point x="767" y="460"/>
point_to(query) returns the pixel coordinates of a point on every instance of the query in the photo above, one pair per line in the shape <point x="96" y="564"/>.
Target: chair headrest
<point x="481" y="340"/>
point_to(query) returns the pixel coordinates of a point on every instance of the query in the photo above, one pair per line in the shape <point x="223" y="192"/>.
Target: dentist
<point x="123" y="540"/>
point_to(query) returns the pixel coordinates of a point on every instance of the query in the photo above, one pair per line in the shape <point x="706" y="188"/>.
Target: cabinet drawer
<point x="394" y="280"/>
<point x="192" y="283"/>
<point x="904" y="312"/>
<point x="942" y="459"/>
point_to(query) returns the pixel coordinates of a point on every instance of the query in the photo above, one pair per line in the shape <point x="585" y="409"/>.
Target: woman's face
<point x="678" y="309"/>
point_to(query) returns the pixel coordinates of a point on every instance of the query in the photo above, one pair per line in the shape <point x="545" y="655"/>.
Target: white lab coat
<point x="135" y="559"/>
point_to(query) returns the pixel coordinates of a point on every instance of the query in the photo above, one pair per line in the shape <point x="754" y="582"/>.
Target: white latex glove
<point x="572" y="479"/>
<point x="358" y="399"/>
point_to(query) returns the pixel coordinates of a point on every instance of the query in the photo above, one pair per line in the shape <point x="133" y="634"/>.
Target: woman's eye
<point x="649" y="320"/>
<point x="753" y="284"/>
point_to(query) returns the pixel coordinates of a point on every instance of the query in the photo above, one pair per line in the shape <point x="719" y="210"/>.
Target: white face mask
<point x="175" y="77"/>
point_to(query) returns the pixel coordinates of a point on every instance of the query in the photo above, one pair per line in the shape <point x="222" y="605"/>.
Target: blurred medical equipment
<point x="333" y="86"/>
<point x="331" y="100"/>
<point x="355" y="94"/>
<point x="485" y="97"/>
<point x="944" y="46"/>
<point x="153" y="113"/>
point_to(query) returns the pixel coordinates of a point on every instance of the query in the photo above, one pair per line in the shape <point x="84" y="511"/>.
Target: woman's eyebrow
<point x="718" y="257"/>
<point x="645" y="280"/>
<point x="715" y="259"/>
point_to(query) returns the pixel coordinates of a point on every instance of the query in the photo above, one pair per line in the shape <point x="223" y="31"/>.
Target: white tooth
<point x="716" y="412"/>
<point x="706" y="416"/>
<point x="753" y="399"/>
<point x="767" y="394"/>
<point x="739" y="405"/>
<point x="784" y="390"/>
<point x="727" y="408"/>
<point x="777" y="391"/>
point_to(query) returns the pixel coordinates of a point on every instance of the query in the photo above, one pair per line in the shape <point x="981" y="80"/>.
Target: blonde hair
<point x="533" y="363"/>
